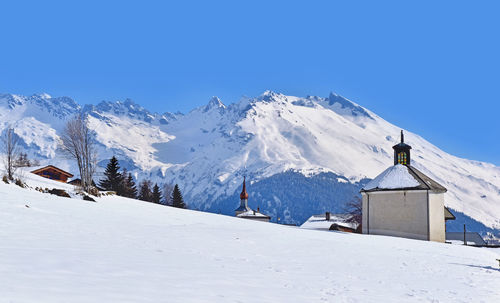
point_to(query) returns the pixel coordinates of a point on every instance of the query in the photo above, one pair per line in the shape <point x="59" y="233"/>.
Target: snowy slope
<point x="123" y="250"/>
<point x="208" y="150"/>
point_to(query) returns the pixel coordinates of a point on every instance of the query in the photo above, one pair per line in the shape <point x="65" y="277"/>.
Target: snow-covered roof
<point x="396" y="176"/>
<point x="243" y="208"/>
<point x="319" y="222"/>
<point x="36" y="170"/>
<point x="253" y="213"/>
<point x="399" y="177"/>
<point x="472" y="238"/>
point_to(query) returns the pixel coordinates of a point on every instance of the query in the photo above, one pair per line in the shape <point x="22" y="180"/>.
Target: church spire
<point x="244" y="194"/>
<point x="243" y="200"/>
<point x="402" y="152"/>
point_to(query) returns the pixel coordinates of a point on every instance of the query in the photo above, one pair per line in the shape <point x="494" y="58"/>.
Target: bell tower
<point x="243" y="200"/>
<point x="402" y="152"/>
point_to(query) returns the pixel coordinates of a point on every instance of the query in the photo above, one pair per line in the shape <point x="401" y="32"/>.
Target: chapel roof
<point x="253" y="214"/>
<point x="403" y="177"/>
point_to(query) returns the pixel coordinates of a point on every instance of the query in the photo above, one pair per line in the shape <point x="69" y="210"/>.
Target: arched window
<point x="402" y="158"/>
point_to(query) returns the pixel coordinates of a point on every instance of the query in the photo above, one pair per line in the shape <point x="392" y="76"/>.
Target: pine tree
<point x="177" y="200"/>
<point x="145" y="193"/>
<point x="131" y="189"/>
<point x="113" y="180"/>
<point x="156" y="196"/>
<point x="128" y="187"/>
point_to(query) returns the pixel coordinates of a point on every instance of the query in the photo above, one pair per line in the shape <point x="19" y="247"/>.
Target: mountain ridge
<point x="209" y="149"/>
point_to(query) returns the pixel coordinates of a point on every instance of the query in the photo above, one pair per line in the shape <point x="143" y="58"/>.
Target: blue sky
<point x="432" y="67"/>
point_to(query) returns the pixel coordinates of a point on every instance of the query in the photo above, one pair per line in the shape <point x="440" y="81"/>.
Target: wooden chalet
<point x="53" y="173"/>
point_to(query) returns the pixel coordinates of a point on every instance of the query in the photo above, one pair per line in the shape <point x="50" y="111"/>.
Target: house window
<point x="402" y="158"/>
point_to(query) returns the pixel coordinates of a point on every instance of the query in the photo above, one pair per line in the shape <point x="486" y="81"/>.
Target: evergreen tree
<point x="145" y="193"/>
<point x="131" y="189"/>
<point x="177" y="200"/>
<point x="123" y="182"/>
<point x="156" y="195"/>
<point x="113" y="179"/>
<point x="128" y="187"/>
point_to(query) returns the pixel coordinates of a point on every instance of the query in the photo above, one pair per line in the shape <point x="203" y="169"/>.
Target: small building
<point x="53" y="173"/>
<point x="328" y="221"/>
<point x="78" y="182"/>
<point x="404" y="202"/>
<point x="245" y="212"/>
<point x="472" y="238"/>
<point x="254" y="215"/>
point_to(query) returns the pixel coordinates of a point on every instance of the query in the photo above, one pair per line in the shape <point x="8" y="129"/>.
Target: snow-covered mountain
<point x="301" y="155"/>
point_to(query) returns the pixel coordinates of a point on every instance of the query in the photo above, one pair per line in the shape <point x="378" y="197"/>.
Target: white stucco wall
<point x="436" y="217"/>
<point x="409" y="214"/>
<point x="364" y="213"/>
<point x="396" y="213"/>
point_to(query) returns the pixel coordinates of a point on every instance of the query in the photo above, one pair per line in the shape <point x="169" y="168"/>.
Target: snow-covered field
<point x="55" y="249"/>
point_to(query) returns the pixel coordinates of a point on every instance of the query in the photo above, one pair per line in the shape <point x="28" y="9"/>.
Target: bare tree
<point x="22" y="160"/>
<point x="78" y="142"/>
<point x="11" y="151"/>
<point x="355" y="208"/>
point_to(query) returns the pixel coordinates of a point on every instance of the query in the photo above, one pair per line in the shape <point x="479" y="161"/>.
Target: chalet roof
<point x="54" y="168"/>
<point x="76" y="181"/>
<point x="403" y="177"/>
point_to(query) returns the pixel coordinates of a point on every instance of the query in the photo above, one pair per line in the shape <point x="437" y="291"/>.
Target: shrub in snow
<point x="20" y="183"/>
<point x="87" y="198"/>
<point x="5" y="179"/>
<point x="94" y="191"/>
<point x="59" y="192"/>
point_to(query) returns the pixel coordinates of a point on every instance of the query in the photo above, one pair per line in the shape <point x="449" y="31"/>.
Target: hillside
<point x="322" y="142"/>
<point x="58" y="249"/>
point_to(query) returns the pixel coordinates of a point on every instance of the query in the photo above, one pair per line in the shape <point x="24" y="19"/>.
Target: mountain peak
<point x="268" y="93"/>
<point x="271" y="96"/>
<point x="125" y="108"/>
<point x="344" y="106"/>
<point x="214" y="102"/>
<point x="42" y="96"/>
